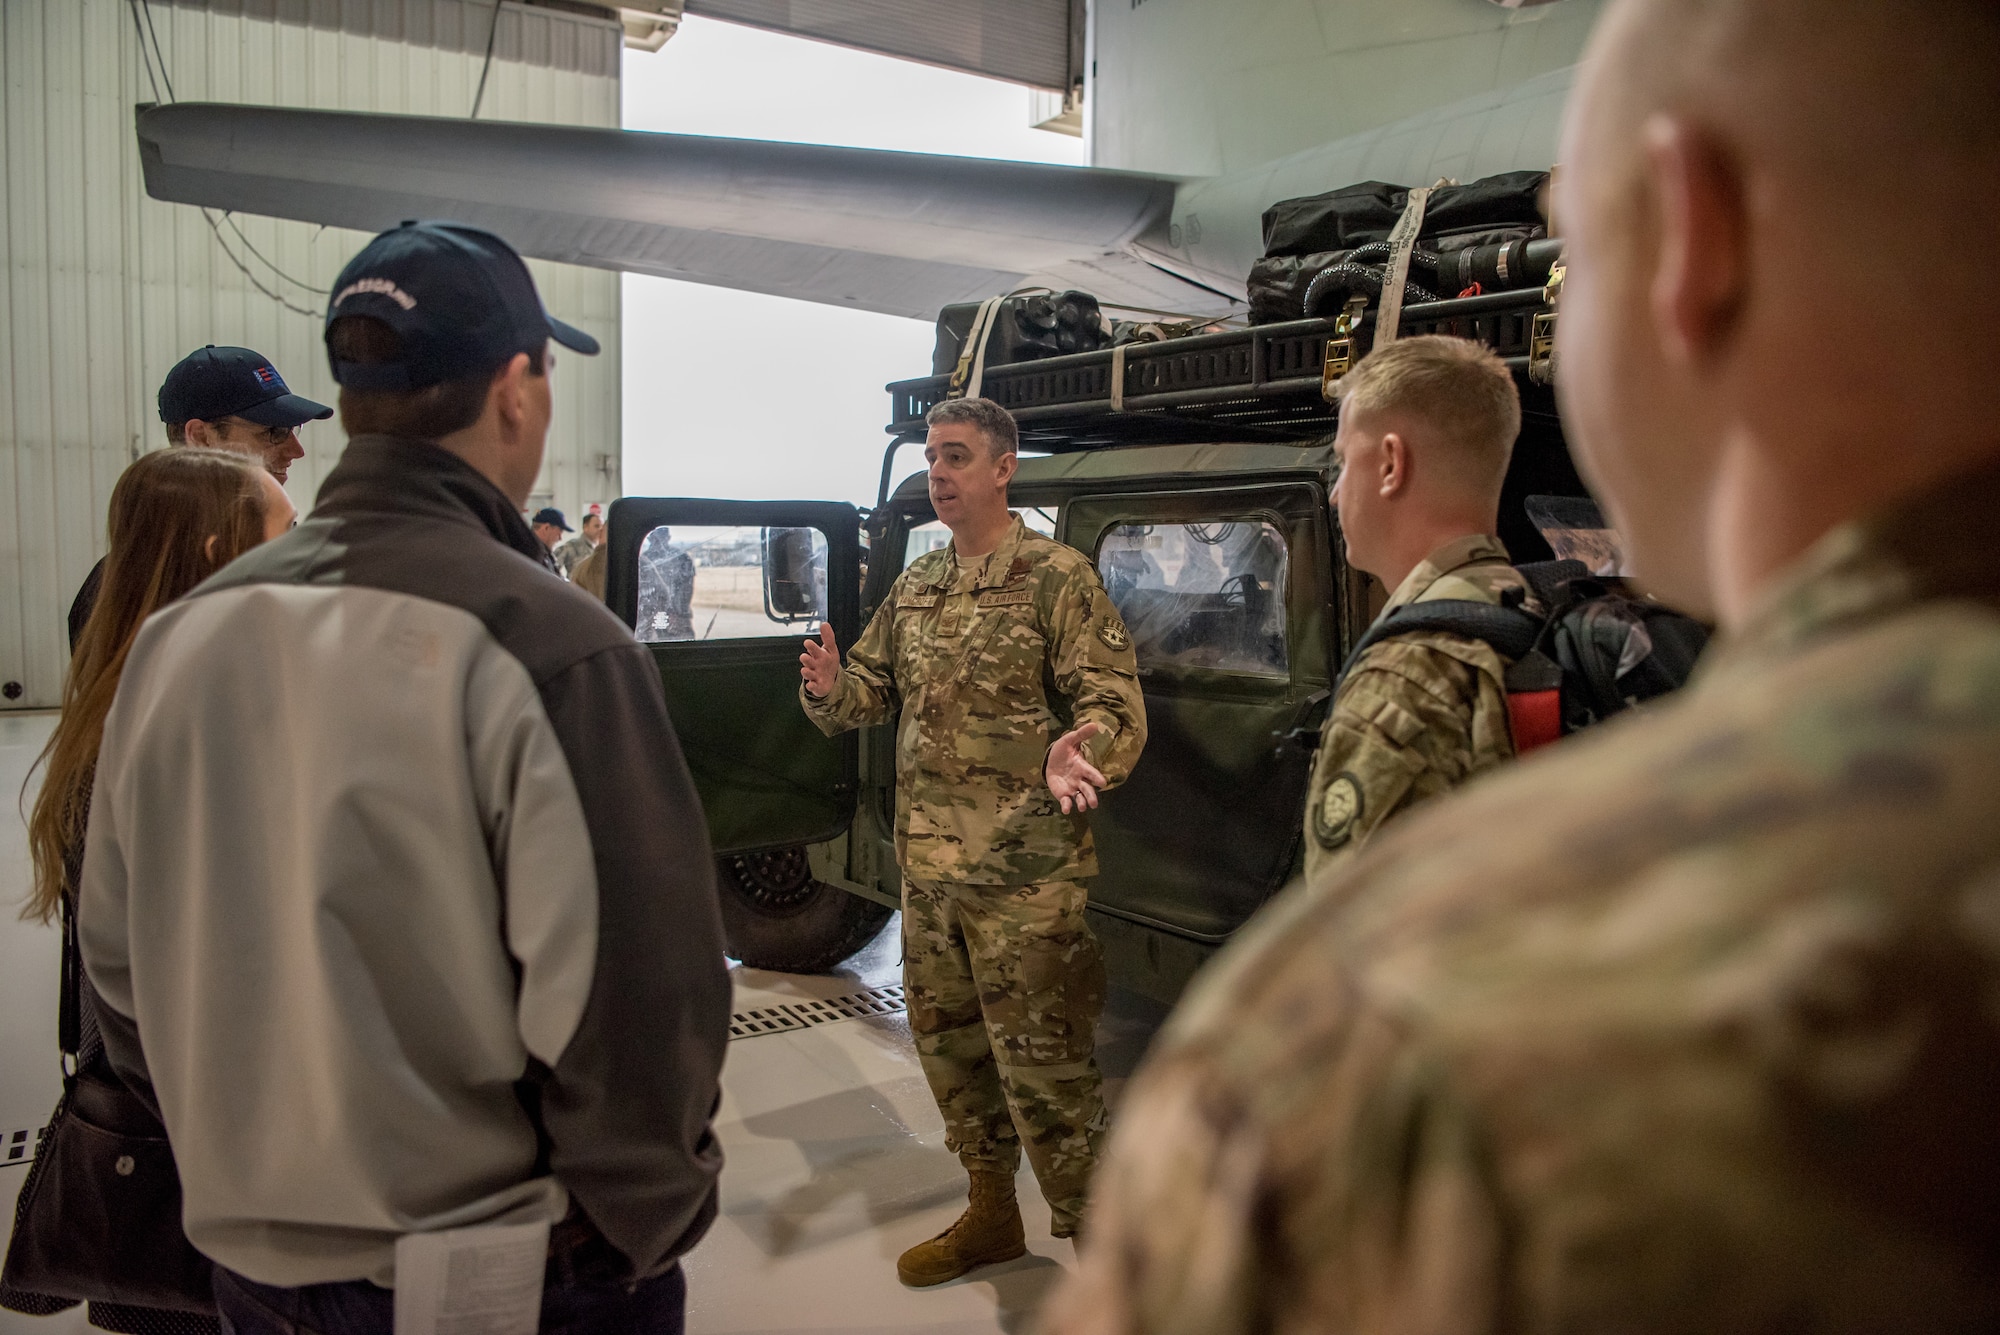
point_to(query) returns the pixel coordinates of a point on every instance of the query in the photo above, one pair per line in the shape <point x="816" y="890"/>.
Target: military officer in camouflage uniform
<point x="1692" y="1023"/>
<point x="1020" y="702"/>
<point x="1426" y="428"/>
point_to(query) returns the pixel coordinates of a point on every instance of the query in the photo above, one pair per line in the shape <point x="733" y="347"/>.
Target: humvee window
<point x="730" y="583"/>
<point x="1201" y="595"/>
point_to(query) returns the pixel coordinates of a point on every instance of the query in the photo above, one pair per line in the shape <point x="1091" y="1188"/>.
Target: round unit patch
<point x="1112" y="631"/>
<point x="1337" y="810"/>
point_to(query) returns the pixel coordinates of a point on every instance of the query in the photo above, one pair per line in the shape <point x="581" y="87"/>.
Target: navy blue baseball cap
<point x="215" y="383"/>
<point x="458" y="298"/>
<point x="550" y="515"/>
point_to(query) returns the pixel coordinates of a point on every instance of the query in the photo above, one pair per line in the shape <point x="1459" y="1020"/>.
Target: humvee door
<point x="1228" y="594"/>
<point x="722" y="593"/>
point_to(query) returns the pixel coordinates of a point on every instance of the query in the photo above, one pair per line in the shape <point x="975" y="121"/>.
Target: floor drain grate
<point x="19" y="1146"/>
<point x="820" y="1010"/>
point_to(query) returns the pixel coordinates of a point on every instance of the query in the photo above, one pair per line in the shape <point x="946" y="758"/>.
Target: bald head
<point x="1764" y="333"/>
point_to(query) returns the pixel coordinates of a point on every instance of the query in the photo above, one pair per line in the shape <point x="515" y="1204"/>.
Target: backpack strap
<point x="1509" y="632"/>
<point x="1533" y="680"/>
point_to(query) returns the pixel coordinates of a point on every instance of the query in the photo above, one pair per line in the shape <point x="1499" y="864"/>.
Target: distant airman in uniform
<point x="1688" y="1023"/>
<point x="1020" y="702"/>
<point x="1427" y="426"/>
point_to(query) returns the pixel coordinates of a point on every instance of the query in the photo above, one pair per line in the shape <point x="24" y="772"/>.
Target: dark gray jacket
<point x="398" y="890"/>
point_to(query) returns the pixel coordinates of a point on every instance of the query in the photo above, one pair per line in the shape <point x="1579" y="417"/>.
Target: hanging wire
<point x="145" y="57"/>
<point x="229" y="219"/>
<point x="147" y="5"/>
<point x="492" y="31"/>
<point x="250" y="274"/>
<point x="148" y="31"/>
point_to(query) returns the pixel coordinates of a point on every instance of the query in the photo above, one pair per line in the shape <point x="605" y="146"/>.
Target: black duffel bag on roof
<point x="1356" y="215"/>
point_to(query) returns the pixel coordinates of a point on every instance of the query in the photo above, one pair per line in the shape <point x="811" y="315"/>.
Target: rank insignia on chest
<point x="1112" y="631"/>
<point x="1338" y="808"/>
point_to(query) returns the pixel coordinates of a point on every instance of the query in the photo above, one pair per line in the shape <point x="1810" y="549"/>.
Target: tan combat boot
<point x="988" y="1232"/>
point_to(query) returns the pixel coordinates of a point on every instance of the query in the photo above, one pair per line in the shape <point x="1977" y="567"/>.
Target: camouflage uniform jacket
<point x="1418" y="714"/>
<point x="990" y="664"/>
<point x="570" y="553"/>
<point x="1684" y="1024"/>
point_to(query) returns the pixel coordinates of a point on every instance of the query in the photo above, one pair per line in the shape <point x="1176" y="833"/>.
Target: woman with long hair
<point x="177" y="517"/>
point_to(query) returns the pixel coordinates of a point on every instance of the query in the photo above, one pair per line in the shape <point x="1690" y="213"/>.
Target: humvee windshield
<point x="1201" y="595"/>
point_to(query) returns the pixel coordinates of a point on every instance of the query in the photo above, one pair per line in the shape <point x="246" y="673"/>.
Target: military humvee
<point x="1195" y="472"/>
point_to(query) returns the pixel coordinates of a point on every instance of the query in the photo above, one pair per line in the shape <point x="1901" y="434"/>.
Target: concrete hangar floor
<point x="836" y="1158"/>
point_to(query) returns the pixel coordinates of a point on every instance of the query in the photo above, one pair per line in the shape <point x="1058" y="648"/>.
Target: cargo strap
<point x="1118" y="378"/>
<point x="970" y="373"/>
<point x="1403" y="240"/>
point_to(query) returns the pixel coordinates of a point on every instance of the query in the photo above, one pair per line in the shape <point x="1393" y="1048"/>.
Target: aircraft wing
<point x="900" y="233"/>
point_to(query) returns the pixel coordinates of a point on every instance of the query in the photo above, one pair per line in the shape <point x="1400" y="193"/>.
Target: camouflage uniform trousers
<point x="1005" y="985"/>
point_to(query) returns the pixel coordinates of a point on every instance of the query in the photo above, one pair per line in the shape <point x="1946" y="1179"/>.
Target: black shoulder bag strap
<point x="69" y="1008"/>
<point x="1512" y="634"/>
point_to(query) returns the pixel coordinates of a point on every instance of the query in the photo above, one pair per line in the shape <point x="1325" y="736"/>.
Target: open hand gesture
<point x="820" y="663"/>
<point x="1072" y="778"/>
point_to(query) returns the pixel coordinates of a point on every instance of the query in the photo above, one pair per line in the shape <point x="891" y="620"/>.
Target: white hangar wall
<point x="102" y="289"/>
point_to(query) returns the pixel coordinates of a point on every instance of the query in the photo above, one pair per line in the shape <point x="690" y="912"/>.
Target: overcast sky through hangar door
<point x="736" y="394"/>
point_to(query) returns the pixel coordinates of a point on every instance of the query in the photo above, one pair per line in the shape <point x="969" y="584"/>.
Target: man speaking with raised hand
<point x="995" y="776"/>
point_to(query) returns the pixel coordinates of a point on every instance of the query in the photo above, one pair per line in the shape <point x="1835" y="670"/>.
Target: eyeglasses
<point x="273" y="436"/>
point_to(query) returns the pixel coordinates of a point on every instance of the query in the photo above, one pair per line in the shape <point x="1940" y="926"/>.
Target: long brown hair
<point x="164" y="512"/>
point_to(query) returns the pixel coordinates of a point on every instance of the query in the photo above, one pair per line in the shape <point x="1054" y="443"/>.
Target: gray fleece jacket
<point x="398" y="893"/>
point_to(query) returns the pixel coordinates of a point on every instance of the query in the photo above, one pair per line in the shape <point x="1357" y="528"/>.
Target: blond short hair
<point x="1461" y="390"/>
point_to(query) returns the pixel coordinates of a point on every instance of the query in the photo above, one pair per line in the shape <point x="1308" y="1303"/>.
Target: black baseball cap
<point x="551" y="515"/>
<point x="215" y="383"/>
<point x="460" y="301"/>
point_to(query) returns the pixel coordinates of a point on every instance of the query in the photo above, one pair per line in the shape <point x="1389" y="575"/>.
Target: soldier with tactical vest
<point x="1427" y="426"/>
<point x="1019" y="698"/>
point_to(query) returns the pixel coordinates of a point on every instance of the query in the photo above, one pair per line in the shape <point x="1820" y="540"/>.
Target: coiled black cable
<point x="1330" y="288"/>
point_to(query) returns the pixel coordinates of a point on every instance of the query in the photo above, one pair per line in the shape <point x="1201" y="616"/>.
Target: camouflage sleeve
<point x="1400" y="731"/>
<point x="1315" y="1173"/>
<point x="1094" y="665"/>
<point x="865" y="691"/>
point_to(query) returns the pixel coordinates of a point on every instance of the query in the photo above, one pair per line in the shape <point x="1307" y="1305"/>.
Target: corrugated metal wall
<point x="102" y="289"/>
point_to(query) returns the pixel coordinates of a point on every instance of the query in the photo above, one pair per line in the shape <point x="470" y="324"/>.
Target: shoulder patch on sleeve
<point x="1338" y="808"/>
<point x="1112" y="631"/>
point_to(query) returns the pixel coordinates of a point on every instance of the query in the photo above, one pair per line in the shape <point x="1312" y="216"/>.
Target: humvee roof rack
<point x="1259" y="383"/>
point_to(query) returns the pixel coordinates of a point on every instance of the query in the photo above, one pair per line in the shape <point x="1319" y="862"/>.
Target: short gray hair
<point x="993" y="421"/>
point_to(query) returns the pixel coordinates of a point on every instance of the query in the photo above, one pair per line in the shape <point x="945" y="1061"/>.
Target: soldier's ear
<point x="1395" y="468"/>
<point x="1008" y="464"/>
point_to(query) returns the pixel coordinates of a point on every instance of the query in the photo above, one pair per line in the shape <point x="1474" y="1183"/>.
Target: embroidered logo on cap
<point x="267" y="376"/>
<point x="379" y="285"/>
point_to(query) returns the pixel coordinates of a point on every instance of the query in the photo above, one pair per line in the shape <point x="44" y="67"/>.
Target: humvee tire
<point x="776" y="916"/>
